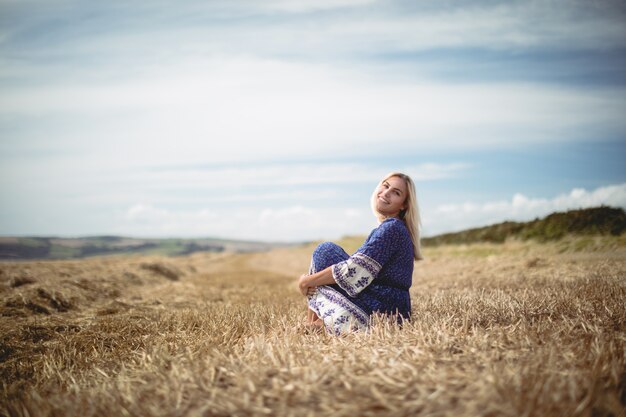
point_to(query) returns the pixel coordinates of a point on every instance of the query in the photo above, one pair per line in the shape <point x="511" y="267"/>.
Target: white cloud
<point x="296" y="174"/>
<point x="310" y="222"/>
<point x="184" y="91"/>
<point x="454" y="217"/>
<point x="257" y="109"/>
<point x="145" y="213"/>
<point x="291" y="223"/>
<point x="273" y="27"/>
<point x="135" y="86"/>
<point x="266" y="215"/>
<point x="148" y="220"/>
<point x="304" y="6"/>
<point x="432" y="171"/>
<point x="291" y="215"/>
<point x="250" y="185"/>
<point x="488" y="26"/>
<point x="188" y="201"/>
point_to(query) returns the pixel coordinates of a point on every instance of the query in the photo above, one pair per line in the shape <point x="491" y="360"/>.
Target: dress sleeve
<point x="358" y="271"/>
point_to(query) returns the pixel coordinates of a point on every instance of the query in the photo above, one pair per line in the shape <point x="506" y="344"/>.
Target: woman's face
<point x="390" y="197"/>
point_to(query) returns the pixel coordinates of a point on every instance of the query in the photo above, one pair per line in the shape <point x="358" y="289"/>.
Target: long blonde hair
<point x="410" y="215"/>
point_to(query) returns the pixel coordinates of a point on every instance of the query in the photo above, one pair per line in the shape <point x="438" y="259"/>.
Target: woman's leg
<point x="325" y="255"/>
<point x="312" y="318"/>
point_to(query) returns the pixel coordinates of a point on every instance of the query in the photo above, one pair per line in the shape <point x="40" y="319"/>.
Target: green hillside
<point x="597" y="221"/>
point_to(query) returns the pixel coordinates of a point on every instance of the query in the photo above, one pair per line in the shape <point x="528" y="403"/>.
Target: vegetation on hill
<point x="599" y="221"/>
<point x="603" y="221"/>
<point x="16" y="248"/>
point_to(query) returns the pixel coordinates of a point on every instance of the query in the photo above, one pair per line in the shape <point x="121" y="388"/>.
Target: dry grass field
<point x="517" y="329"/>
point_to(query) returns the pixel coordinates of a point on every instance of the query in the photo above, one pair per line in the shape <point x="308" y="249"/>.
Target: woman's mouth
<point x="383" y="200"/>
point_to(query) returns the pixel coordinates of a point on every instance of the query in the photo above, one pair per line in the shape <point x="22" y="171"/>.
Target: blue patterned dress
<point x="376" y="278"/>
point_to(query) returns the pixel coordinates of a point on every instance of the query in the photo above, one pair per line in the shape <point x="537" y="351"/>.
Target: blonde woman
<point x="344" y="291"/>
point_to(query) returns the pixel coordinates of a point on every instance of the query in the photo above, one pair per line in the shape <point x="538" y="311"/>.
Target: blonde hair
<point x="410" y="215"/>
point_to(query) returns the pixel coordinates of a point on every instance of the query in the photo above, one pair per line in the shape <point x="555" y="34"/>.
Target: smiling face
<point x="390" y="197"/>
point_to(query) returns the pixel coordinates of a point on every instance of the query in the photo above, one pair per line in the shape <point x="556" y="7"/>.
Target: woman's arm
<point x="307" y="283"/>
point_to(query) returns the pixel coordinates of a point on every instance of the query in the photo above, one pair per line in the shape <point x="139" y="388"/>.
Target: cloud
<point x="226" y="81"/>
<point x="333" y="28"/>
<point x="453" y="217"/>
<point x="296" y="202"/>
<point x="254" y="185"/>
<point x="305" y="173"/>
<point x="484" y="25"/>
<point x="103" y="99"/>
<point x="146" y="213"/>
<point x="148" y="220"/>
<point x="197" y="200"/>
<point x="250" y="109"/>
<point x="299" y="223"/>
<point x="307" y="6"/>
<point x="295" y="223"/>
<point x="433" y="171"/>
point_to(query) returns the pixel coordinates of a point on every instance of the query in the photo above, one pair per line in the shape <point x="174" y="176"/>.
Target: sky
<point x="274" y="120"/>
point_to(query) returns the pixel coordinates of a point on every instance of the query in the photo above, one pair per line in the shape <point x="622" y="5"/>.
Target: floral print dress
<point x="376" y="278"/>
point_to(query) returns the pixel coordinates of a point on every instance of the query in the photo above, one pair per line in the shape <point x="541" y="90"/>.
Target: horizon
<point x="217" y="238"/>
<point x="274" y="121"/>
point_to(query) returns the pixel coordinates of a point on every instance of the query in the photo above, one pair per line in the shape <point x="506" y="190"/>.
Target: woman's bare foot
<point x="313" y="326"/>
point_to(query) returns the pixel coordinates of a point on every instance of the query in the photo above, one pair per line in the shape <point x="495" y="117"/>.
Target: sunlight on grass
<point x="496" y="330"/>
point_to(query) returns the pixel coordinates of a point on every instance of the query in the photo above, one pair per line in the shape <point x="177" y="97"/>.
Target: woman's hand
<point x="309" y="283"/>
<point x="304" y="283"/>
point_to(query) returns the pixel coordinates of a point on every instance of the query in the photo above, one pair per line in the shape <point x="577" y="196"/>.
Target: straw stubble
<point x="508" y="330"/>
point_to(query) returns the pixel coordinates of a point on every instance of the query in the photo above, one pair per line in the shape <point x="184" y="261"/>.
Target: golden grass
<point x="518" y="329"/>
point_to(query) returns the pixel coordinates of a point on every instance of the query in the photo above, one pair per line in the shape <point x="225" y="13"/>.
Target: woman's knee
<point x="327" y="248"/>
<point x="327" y="254"/>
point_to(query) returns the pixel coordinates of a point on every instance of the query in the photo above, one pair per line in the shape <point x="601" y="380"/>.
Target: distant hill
<point x="67" y="248"/>
<point x="586" y="222"/>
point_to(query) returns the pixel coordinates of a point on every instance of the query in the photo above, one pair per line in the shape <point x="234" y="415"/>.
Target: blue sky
<point x="273" y="120"/>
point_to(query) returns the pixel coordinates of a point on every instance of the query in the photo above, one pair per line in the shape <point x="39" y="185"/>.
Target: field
<point x="513" y="329"/>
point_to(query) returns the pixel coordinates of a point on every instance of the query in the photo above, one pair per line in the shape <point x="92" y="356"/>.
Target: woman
<point x="344" y="291"/>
